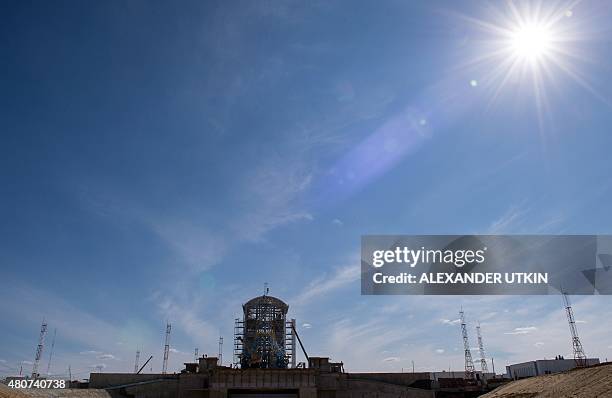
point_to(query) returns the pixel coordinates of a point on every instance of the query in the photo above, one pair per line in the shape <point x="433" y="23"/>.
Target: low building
<point x="543" y="367"/>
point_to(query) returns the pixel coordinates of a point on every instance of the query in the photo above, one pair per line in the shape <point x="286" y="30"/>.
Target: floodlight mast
<point x="469" y="363"/>
<point x="579" y="355"/>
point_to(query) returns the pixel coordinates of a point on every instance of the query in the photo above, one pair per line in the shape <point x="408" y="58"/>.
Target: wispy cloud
<point x="450" y="322"/>
<point x="510" y="221"/>
<point x="194" y="244"/>
<point x="326" y="284"/>
<point x="523" y="330"/>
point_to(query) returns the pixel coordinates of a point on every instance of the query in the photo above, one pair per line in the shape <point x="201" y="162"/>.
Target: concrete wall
<point x="106" y="380"/>
<point x="405" y="379"/>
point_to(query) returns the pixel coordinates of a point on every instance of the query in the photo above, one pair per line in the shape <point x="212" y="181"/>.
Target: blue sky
<point x="163" y="161"/>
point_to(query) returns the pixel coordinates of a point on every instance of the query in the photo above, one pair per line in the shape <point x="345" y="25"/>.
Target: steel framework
<point x="579" y="355"/>
<point x="263" y="337"/>
<point x="483" y="360"/>
<point x="166" y="348"/>
<point x="469" y="363"/>
<point x="39" y="349"/>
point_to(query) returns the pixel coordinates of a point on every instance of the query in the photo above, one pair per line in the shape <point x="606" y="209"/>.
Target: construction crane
<point x="469" y="363"/>
<point x="579" y="355"/>
<point x="166" y="348"/>
<point x="39" y="349"/>
<point x="483" y="361"/>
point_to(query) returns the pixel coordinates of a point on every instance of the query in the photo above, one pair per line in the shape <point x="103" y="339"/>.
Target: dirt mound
<point x="592" y="382"/>
<point x="7" y="392"/>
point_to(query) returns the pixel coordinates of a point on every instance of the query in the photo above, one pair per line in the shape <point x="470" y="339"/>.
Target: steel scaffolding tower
<point x="469" y="363"/>
<point x="238" y="344"/>
<point x="483" y="361"/>
<point x="220" y="351"/>
<point x="579" y="355"/>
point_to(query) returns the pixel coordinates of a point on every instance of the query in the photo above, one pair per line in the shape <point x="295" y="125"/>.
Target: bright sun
<point x="531" y="42"/>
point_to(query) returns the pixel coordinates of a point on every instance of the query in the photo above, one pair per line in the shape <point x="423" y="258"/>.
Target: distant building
<point x="543" y="367"/>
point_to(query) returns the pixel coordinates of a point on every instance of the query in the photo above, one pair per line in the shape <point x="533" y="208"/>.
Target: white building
<point x="543" y="367"/>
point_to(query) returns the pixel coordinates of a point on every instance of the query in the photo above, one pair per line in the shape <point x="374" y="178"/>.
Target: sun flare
<point x="531" y="42"/>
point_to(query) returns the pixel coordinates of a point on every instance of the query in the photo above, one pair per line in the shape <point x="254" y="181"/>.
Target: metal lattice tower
<point x="51" y="352"/>
<point x="483" y="360"/>
<point x="469" y="363"/>
<point x="137" y="360"/>
<point x="166" y="348"/>
<point x="196" y="353"/>
<point x="220" y="351"/>
<point x="39" y="349"/>
<point x="579" y="355"/>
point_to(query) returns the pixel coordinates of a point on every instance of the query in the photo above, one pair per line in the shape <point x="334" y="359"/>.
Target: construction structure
<point x="469" y="363"/>
<point x="39" y="349"/>
<point x="166" y="348"/>
<point x="579" y="355"/>
<point x="265" y="365"/>
<point x="263" y="338"/>
<point x="220" y="350"/>
<point x="51" y="352"/>
<point x="483" y="361"/>
<point x="137" y="361"/>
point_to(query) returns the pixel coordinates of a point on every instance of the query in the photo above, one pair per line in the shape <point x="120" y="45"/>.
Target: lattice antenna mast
<point x="166" y="348"/>
<point x="579" y="355"/>
<point x="483" y="360"/>
<point x="51" y="352"/>
<point x="136" y="363"/>
<point x="39" y="349"/>
<point x="220" y="350"/>
<point x="469" y="363"/>
<point x="196" y="354"/>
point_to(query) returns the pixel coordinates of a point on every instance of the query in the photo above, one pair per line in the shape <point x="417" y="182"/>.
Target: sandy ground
<point x="593" y="382"/>
<point x="6" y="392"/>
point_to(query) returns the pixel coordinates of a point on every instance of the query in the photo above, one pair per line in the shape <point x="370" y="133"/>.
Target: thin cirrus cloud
<point x="523" y="330"/>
